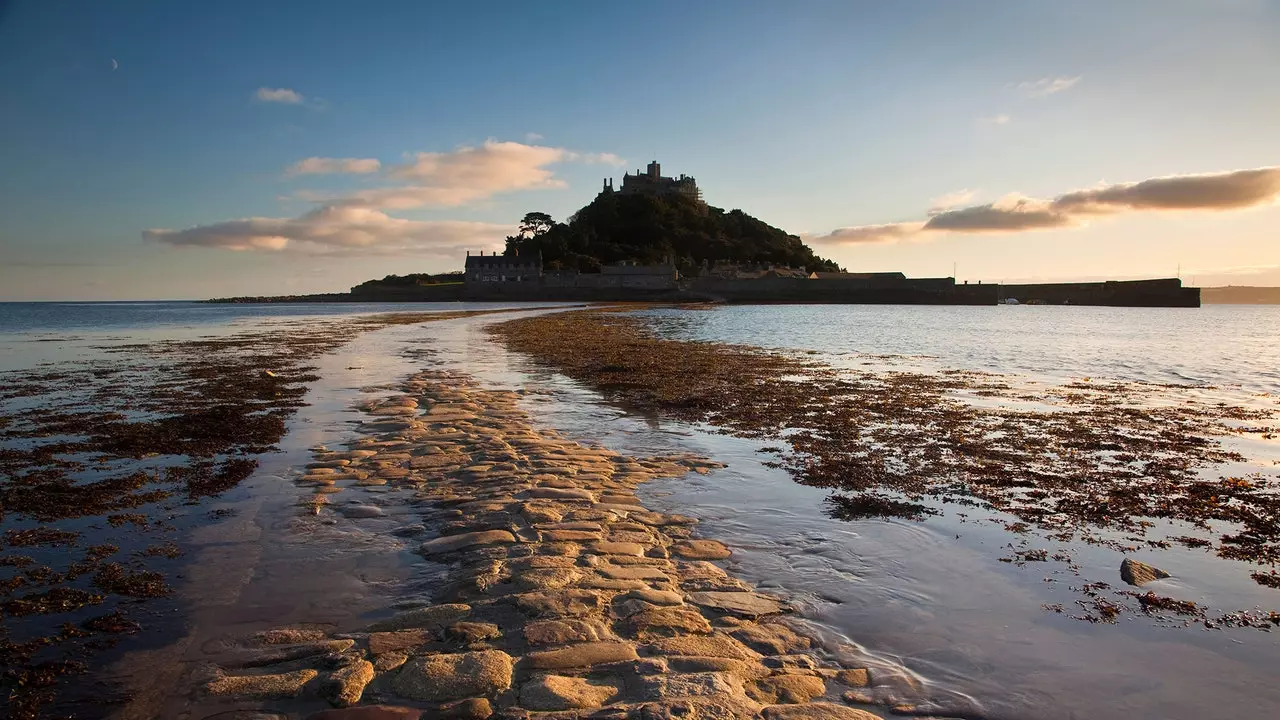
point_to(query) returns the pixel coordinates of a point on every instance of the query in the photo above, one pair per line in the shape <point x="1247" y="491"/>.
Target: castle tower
<point x="655" y="170"/>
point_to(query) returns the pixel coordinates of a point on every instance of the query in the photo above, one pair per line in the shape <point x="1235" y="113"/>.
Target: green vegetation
<point x="648" y="228"/>
<point x="410" y="280"/>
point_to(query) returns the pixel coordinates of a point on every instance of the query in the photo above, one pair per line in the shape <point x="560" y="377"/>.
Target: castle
<point x="651" y="182"/>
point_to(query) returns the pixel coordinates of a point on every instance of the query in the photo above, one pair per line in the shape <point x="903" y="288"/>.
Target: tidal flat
<point x="532" y="517"/>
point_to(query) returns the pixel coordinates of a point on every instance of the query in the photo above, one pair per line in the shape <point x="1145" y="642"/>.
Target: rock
<point x="605" y="547"/>
<point x="787" y="689"/>
<point x="369" y="712"/>
<point x="284" y="653"/>
<point x="390" y="660"/>
<point x="548" y="493"/>
<point x="815" y="711"/>
<point x="632" y="572"/>
<point x="705" y="645"/>
<point x="1140" y="573"/>
<point x="700" y="550"/>
<point x="655" y="597"/>
<point x="555" y="692"/>
<point x="746" y="604"/>
<point x="568" y="535"/>
<point x="434" y="616"/>
<point x="453" y="543"/>
<point x="667" y="622"/>
<point x="471" y="632"/>
<point x="345" y="685"/>
<point x="854" y="678"/>
<point x="678" y="685"/>
<point x="454" y="676"/>
<point x="382" y="642"/>
<point x="745" y="669"/>
<point x="261" y="687"/>
<point x="584" y="655"/>
<point x="288" y="636"/>
<point x="547" y="578"/>
<point x="562" y="603"/>
<point x="772" y="639"/>
<point x="561" y="632"/>
<point x="468" y="709"/>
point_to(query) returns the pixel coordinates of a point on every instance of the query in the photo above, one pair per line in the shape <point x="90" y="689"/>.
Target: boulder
<point x="793" y="688"/>
<point x="772" y="639"/>
<point x="667" y="622"/>
<point x="383" y="642"/>
<point x="560" y="632"/>
<point x="1140" y="573"/>
<point x="454" y="676"/>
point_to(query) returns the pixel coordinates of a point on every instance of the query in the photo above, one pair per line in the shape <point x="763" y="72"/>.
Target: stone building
<point x="651" y="182"/>
<point x="502" y="268"/>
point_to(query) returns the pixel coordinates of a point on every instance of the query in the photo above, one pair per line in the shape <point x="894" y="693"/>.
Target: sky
<point x="162" y="150"/>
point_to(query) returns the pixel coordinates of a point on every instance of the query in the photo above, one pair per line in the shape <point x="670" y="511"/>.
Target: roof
<point x="501" y="261"/>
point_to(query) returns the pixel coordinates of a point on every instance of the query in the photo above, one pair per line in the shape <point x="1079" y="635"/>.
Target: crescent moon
<point x="114" y="65"/>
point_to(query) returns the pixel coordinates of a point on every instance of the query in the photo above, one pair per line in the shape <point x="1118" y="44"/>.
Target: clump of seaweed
<point x="873" y="505"/>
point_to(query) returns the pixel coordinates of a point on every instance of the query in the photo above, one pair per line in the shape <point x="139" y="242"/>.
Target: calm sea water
<point x="932" y="596"/>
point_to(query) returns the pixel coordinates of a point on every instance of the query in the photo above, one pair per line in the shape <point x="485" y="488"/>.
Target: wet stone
<point x="434" y="616"/>
<point x="745" y="604"/>
<point x="453" y="543"/>
<point x="555" y="692"/>
<point x="261" y="687"/>
<point x="454" y="676"/>
<point x="561" y="632"/>
<point x="772" y="639"/>
<point x="381" y="642"/>
<point x="793" y="688"/>
<point x="584" y="655"/>
<point x="344" y="686"/>
<point x="815" y="711"/>
<point x="1139" y="573"/>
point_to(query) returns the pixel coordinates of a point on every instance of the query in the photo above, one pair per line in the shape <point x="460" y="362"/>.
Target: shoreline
<point x="564" y="596"/>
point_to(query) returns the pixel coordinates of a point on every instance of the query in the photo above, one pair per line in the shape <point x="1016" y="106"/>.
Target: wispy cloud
<point x="333" y="166"/>
<point x="339" y="231"/>
<point x="1045" y="87"/>
<point x="1001" y="119"/>
<point x="279" y="95"/>
<point x="532" y="137"/>
<point x="1232" y="190"/>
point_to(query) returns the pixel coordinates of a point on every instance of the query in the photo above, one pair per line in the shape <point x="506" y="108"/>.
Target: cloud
<point x="950" y="200"/>
<point x="1000" y="119"/>
<point x="1232" y="190"/>
<point x="532" y="137"/>
<point x="862" y="234"/>
<point x="331" y="166"/>
<point x="354" y="222"/>
<point x="339" y="231"/>
<point x="279" y="95"/>
<point x="1045" y="87"/>
<point x="1009" y="214"/>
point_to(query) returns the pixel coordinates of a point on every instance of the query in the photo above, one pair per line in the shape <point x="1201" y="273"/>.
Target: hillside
<point x="645" y="228"/>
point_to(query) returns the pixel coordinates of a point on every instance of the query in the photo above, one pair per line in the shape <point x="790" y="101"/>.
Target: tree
<point x="535" y="224"/>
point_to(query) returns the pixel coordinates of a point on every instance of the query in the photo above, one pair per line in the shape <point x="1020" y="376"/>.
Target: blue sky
<point x="823" y="118"/>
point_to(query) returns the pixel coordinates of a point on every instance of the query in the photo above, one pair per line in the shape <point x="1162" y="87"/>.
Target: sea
<point x="932" y="596"/>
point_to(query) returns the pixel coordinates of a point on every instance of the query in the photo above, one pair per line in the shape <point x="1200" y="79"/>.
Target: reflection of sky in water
<point x="943" y="604"/>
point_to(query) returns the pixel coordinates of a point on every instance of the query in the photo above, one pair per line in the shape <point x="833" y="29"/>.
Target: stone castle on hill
<point x="651" y="182"/>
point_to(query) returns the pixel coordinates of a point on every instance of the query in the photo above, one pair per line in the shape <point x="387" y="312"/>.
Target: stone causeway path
<point x="565" y="597"/>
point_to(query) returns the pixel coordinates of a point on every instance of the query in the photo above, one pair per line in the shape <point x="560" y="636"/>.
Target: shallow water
<point x="932" y="595"/>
